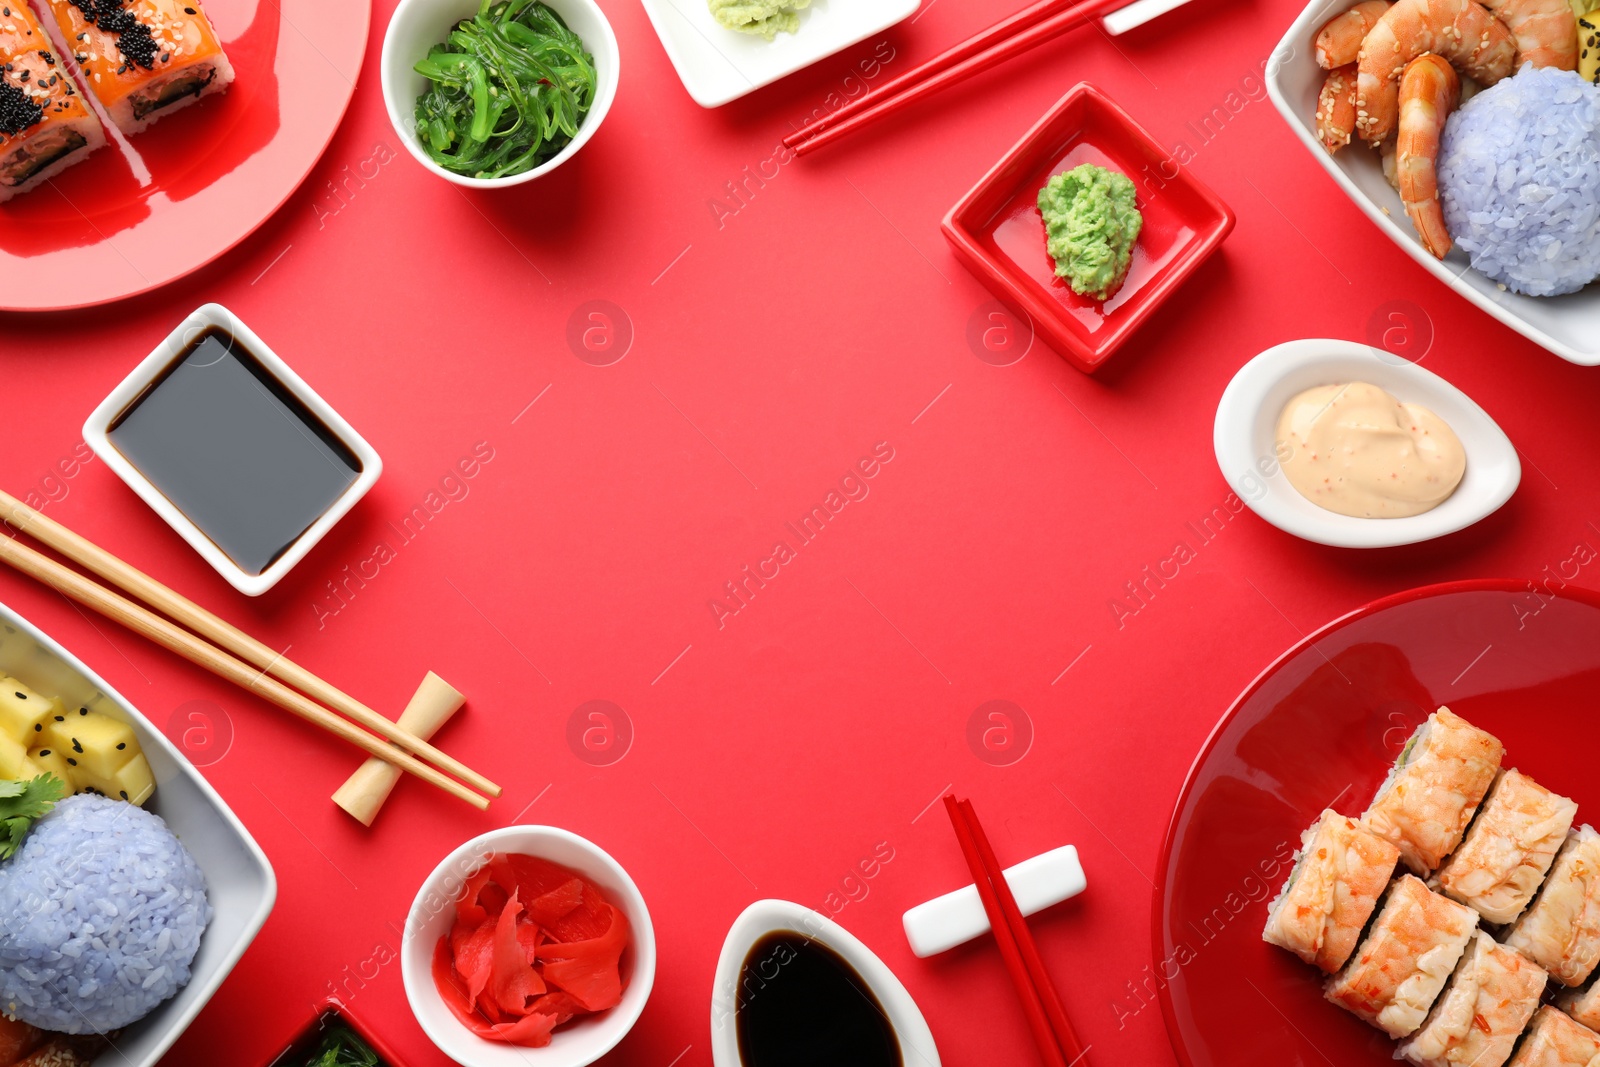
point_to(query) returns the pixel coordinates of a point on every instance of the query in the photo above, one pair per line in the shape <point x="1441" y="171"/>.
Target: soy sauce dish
<point x="233" y="449"/>
<point x="1252" y="458"/>
<point x="792" y="986"/>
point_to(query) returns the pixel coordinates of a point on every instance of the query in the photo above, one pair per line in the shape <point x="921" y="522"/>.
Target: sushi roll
<point x="1428" y="799"/>
<point x="1407" y="956"/>
<point x="45" y="126"/>
<point x="1554" y="1040"/>
<point x="1490" y="998"/>
<point x="1560" y="931"/>
<point x="143" y="59"/>
<point x="1509" y="848"/>
<point x="1582" y="1004"/>
<point x="1339" y="874"/>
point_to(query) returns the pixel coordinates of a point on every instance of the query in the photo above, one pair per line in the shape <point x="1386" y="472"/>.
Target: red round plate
<point x="130" y="219"/>
<point x="1319" y="729"/>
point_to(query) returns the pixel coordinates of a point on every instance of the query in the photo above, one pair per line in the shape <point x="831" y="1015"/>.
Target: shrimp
<point x="1546" y="31"/>
<point x="1339" y="40"/>
<point x="1429" y="91"/>
<point x="1462" y="31"/>
<point x="1336" y="108"/>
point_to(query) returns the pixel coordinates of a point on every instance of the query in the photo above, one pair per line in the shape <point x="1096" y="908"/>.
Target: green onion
<point x="342" y="1048"/>
<point x="507" y="90"/>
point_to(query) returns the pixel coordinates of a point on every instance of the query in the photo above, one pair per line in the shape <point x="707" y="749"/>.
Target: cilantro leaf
<point x="23" y="802"/>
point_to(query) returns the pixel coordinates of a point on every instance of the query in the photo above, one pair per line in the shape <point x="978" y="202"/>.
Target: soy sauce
<point x="802" y="1005"/>
<point x="234" y="450"/>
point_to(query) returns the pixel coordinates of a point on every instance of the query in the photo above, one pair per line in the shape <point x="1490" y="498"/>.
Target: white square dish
<point x="97" y="432"/>
<point x="718" y="64"/>
<point x="1568" y="325"/>
<point x="239" y="880"/>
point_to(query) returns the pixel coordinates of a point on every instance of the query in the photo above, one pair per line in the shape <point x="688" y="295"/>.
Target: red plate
<point x="184" y="192"/>
<point x="1319" y="728"/>
<point x="998" y="231"/>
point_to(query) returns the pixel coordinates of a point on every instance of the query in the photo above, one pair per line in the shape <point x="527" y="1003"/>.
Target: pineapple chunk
<point x="96" y="744"/>
<point x="13" y="758"/>
<point x="22" y="710"/>
<point x="51" y="761"/>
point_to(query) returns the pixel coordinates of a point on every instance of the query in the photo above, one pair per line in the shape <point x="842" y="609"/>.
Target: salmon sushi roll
<point x="1560" y="931"/>
<point x="1406" y="958"/>
<point x="1582" y="1004"/>
<point x="1554" y="1040"/>
<point x="143" y="59"/>
<point x="1339" y="873"/>
<point x="1426" y="803"/>
<point x="1509" y="848"/>
<point x="45" y="126"/>
<point x="1490" y="998"/>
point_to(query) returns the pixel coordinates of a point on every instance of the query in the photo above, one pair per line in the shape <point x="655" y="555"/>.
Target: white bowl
<point x="578" y="1043"/>
<point x="718" y="65"/>
<point x="1568" y="325"/>
<point x="418" y="25"/>
<point x="1245" y="437"/>
<point x="239" y="880"/>
<point x="96" y="431"/>
<point x="767" y="916"/>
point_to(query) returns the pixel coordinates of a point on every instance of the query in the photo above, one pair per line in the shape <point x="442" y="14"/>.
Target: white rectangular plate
<point x="1568" y="325"/>
<point x="718" y="64"/>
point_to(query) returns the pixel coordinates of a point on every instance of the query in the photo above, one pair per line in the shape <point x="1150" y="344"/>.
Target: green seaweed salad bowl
<point x="492" y="93"/>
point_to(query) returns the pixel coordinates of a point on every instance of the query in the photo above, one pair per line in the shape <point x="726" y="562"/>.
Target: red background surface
<point x="770" y="353"/>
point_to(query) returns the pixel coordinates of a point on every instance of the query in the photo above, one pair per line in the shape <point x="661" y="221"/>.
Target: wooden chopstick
<point x="196" y="650"/>
<point x="1051" y="1032"/>
<point x="218" y="631"/>
<point x="941" y="71"/>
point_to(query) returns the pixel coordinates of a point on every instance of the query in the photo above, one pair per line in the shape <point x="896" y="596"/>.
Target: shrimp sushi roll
<point x="1406" y="958"/>
<point x="1509" y="848"/>
<point x="1428" y="799"/>
<point x="143" y="59"/>
<point x="1554" y="1040"/>
<point x="1340" y="872"/>
<point x="1490" y="998"/>
<point x="45" y="126"/>
<point x="1582" y="1004"/>
<point x="1560" y="931"/>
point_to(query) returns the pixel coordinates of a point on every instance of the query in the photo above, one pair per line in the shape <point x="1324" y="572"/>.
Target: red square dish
<point x="998" y="232"/>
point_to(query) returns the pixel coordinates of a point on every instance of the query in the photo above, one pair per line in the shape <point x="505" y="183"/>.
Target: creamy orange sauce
<point x="1356" y="450"/>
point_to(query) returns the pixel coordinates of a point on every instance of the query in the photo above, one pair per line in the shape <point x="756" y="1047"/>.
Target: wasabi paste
<point x="1091" y="224"/>
<point x="765" y="17"/>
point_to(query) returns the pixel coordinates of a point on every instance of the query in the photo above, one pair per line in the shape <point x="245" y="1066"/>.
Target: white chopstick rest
<point x="1137" y="14"/>
<point x="956" y="918"/>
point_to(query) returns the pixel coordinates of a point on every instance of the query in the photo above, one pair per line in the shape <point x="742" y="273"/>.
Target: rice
<point x="1519" y="180"/>
<point x="101" y="913"/>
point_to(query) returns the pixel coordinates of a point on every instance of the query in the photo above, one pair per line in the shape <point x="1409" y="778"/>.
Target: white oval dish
<point x="767" y="916"/>
<point x="580" y="1042"/>
<point x="1246" y="431"/>
<point x="418" y="25"/>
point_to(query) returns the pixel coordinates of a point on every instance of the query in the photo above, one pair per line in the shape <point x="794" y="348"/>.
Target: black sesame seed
<point x="38" y="727"/>
<point x="121" y="745"/>
<point x="123" y="793"/>
<point x="44" y="752"/>
<point x="22" y="696"/>
<point x="76" y="747"/>
<point x="166" y="57"/>
<point x="83" y="711"/>
<point x="61" y="718"/>
<point x="71" y="762"/>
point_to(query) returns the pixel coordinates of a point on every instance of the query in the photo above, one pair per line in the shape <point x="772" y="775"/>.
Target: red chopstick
<point x="1052" y="1032"/>
<point x="1012" y="36"/>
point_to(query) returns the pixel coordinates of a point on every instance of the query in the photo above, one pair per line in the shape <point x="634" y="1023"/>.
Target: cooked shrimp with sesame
<point x="1476" y="43"/>
<point x="1429" y="91"/>
<point x="1336" y="108"/>
<point x="1339" y="40"/>
<point x="1546" y="31"/>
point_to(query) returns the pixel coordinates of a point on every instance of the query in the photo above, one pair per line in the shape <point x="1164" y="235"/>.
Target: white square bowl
<point x="1568" y="325"/>
<point x="96" y="431"/>
<point x="239" y="880"/>
<point x="718" y="64"/>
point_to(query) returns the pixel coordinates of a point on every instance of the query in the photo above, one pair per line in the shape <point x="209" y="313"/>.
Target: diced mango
<point x="51" y="761"/>
<point x="96" y="744"/>
<point x="13" y="757"/>
<point x="22" y="710"/>
<point x="132" y="781"/>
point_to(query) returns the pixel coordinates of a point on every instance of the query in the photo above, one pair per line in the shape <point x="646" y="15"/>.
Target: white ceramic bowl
<point x="96" y="431"/>
<point x="418" y="25"/>
<point x="239" y="880"/>
<point x="1568" y="325"/>
<point x="767" y="916"/>
<point x="580" y="1042"/>
<point x="1245" y="436"/>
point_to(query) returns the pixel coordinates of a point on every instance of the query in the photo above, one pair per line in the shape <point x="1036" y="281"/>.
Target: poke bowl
<point x="437" y="934"/>
<point x="1568" y="326"/>
<point x="239" y="883"/>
